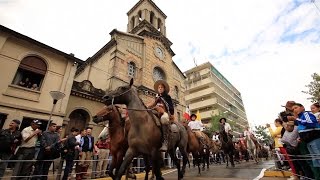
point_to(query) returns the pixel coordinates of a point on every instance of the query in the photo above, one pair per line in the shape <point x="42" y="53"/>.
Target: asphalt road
<point x="245" y="170"/>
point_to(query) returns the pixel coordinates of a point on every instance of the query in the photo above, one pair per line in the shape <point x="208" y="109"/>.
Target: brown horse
<point x="145" y="136"/>
<point x="199" y="153"/>
<point x="118" y="130"/>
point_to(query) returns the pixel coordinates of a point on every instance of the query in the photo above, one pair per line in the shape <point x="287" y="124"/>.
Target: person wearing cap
<point x="163" y="104"/>
<point x="27" y="150"/>
<point x="196" y="126"/>
<point x="9" y="139"/>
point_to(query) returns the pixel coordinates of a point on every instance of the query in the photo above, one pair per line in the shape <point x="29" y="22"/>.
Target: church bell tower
<point x="146" y="15"/>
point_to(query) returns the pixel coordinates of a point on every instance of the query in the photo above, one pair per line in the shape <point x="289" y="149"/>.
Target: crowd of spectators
<point x="297" y="140"/>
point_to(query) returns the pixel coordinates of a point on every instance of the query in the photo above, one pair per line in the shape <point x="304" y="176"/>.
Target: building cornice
<point x="42" y="45"/>
<point x="86" y="90"/>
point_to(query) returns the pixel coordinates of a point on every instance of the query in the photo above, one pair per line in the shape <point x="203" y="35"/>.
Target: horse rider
<point x="226" y="126"/>
<point x="163" y="104"/>
<point x="196" y="126"/>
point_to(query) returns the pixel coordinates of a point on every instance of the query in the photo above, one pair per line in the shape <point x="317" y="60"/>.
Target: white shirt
<point x="27" y="132"/>
<point x="227" y="127"/>
<point x="215" y="137"/>
<point x="195" y="125"/>
<point x="78" y="139"/>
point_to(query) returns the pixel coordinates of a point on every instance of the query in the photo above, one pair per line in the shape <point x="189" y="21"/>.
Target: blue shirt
<point x="307" y="121"/>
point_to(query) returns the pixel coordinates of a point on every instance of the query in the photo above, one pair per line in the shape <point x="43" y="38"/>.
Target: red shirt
<point x="103" y="144"/>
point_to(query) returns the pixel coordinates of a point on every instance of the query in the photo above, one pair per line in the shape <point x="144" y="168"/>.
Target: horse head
<point x="121" y="95"/>
<point x="102" y="114"/>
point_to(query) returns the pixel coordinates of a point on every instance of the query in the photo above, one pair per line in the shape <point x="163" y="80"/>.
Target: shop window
<point x="30" y="73"/>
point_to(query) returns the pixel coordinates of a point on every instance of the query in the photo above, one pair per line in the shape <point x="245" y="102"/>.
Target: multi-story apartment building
<point x="212" y="94"/>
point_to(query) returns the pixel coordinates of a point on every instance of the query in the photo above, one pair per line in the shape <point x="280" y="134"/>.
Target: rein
<point x="132" y="109"/>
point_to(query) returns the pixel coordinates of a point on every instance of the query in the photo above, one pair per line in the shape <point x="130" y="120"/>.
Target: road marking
<point x="261" y="174"/>
<point x="168" y="172"/>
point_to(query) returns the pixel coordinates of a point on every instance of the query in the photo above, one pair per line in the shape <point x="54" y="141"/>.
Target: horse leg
<point x="111" y="167"/>
<point x="185" y="161"/>
<point x="198" y="161"/>
<point x="147" y="166"/>
<point x="208" y="160"/>
<point x="125" y="163"/>
<point x="176" y="161"/>
<point x="231" y="159"/>
<point x="156" y="164"/>
<point x="227" y="158"/>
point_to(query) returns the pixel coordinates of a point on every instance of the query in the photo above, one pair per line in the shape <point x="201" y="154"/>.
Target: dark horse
<point x="227" y="146"/>
<point x="145" y="136"/>
<point x="118" y="130"/>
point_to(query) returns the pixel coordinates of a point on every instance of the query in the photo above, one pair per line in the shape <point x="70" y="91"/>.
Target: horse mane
<point x="154" y="117"/>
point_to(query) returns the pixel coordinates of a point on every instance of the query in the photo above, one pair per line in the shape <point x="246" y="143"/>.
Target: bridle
<point x="133" y="109"/>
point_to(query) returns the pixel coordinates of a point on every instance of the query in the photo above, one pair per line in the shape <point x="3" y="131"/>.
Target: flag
<point x="186" y="114"/>
<point x="198" y="116"/>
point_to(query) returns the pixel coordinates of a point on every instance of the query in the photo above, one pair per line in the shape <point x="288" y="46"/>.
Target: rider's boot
<point x="165" y="131"/>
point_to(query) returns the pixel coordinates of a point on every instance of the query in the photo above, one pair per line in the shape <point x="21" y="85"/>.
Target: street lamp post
<point x="56" y="95"/>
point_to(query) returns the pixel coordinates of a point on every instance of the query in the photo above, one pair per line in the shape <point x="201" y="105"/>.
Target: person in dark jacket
<point x="87" y="146"/>
<point x="9" y="140"/>
<point x="49" y="145"/>
<point x="163" y="104"/>
<point x="69" y="151"/>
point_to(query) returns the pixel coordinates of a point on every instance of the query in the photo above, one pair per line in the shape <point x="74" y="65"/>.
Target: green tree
<point x="215" y="124"/>
<point x="314" y="88"/>
<point x="262" y="134"/>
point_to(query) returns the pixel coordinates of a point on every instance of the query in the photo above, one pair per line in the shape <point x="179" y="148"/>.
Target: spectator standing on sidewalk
<point x="104" y="150"/>
<point x="69" y="151"/>
<point x="26" y="151"/>
<point x="309" y="132"/>
<point x="9" y="139"/>
<point x="78" y="152"/>
<point x="49" y="150"/>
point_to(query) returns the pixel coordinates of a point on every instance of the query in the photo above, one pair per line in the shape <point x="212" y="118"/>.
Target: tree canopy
<point x="314" y="88"/>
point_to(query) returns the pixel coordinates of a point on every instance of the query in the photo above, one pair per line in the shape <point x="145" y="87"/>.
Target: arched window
<point x="140" y="16"/>
<point x="151" y="17"/>
<point x="30" y="73"/>
<point x="159" y="24"/>
<point x="176" y="92"/>
<point x="158" y="74"/>
<point x="131" y="69"/>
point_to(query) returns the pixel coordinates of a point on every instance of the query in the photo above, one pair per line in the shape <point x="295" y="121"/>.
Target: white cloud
<point x="263" y="47"/>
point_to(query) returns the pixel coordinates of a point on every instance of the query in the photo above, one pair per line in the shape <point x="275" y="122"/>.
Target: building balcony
<point x="199" y="84"/>
<point x="202" y="104"/>
<point x="199" y="94"/>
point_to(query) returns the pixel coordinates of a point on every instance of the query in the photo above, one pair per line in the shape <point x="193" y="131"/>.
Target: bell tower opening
<point x="146" y="15"/>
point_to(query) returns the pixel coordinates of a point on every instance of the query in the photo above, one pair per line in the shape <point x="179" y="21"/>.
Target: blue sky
<point x="267" y="49"/>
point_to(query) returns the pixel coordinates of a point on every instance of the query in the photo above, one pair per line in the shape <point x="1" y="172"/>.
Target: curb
<point x="273" y="173"/>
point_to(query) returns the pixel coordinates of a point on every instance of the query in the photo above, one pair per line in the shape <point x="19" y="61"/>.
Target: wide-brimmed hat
<point x="289" y="104"/>
<point x="225" y="120"/>
<point x="193" y="115"/>
<point x="164" y="83"/>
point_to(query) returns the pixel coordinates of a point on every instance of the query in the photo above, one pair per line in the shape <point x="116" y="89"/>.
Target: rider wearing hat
<point x="226" y="126"/>
<point x="196" y="126"/>
<point x="163" y="104"/>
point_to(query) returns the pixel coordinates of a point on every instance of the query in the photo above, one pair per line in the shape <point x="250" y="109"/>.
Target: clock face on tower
<point x="159" y="52"/>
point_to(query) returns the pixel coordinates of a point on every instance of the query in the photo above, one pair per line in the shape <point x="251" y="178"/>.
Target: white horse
<point x="252" y="148"/>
